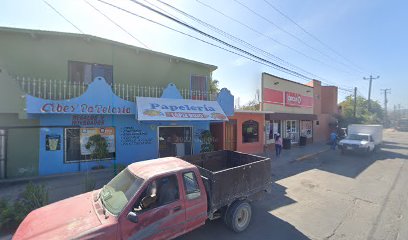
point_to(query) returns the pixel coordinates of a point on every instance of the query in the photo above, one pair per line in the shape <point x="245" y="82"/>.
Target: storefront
<point x="99" y="129"/>
<point x="288" y="108"/>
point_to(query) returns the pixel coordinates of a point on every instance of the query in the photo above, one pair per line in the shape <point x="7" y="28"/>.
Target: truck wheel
<point x="238" y="216"/>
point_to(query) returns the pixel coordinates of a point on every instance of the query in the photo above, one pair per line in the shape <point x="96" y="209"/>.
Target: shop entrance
<point x="292" y="130"/>
<point x="175" y="141"/>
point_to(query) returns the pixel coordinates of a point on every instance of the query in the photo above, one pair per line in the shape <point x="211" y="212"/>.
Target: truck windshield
<point x="117" y="193"/>
<point x="358" y="137"/>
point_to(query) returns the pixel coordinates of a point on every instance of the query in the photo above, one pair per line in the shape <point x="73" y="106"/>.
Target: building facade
<point x="68" y="94"/>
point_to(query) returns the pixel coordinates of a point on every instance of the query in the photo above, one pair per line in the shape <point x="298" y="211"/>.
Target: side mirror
<point x="132" y="217"/>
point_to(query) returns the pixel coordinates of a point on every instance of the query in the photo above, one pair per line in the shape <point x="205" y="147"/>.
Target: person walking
<point x="278" y="144"/>
<point x="333" y="140"/>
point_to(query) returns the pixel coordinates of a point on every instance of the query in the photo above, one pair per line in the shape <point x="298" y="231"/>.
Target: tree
<point x="213" y="84"/>
<point x="363" y="115"/>
<point x="253" y="105"/>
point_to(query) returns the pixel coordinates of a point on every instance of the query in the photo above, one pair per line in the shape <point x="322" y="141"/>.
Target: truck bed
<point x="230" y="175"/>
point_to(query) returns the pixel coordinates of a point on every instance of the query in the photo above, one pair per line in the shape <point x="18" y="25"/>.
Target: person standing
<point x="333" y="140"/>
<point x="278" y="144"/>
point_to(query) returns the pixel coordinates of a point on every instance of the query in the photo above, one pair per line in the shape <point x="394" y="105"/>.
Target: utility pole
<point x="355" y="102"/>
<point x="386" y="91"/>
<point x="371" y="78"/>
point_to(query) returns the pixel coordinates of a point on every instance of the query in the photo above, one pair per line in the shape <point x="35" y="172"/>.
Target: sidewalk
<point x="296" y="153"/>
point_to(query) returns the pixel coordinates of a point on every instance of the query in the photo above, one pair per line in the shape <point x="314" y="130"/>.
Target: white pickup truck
<point x="362" y="138"/>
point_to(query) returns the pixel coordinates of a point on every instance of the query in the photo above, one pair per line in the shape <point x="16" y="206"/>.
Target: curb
<point x="310" y="155"/>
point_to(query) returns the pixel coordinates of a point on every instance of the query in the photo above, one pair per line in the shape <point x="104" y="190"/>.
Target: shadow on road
<point x="348" y="165"/>
<point x="264" y="225"/>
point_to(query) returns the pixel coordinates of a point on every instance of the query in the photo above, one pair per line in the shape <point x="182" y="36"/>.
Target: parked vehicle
<point x="402" y="124"/>
<point x="362" y="138"/>
<point x="158" y="199"/>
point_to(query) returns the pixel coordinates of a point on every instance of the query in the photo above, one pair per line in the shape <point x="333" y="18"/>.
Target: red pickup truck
<point x="158" y="199"/>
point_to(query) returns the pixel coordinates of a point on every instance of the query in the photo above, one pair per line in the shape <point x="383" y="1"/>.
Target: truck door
<point x="162" y="218"/>
<point x="195" y="201"/>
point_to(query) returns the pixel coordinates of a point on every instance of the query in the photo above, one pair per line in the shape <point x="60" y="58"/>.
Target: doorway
<point x="231" y="135"/>
<point x="292" y="130"/>
<point x="175" y="141"/>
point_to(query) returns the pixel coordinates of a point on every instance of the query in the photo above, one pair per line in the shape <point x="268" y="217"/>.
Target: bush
<point x="33" y="197"/>
<point x="89" y="182"/>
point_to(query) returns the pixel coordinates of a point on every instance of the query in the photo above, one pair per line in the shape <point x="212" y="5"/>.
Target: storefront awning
<point x="168" y="109"/>
<point x="290" y="116"/>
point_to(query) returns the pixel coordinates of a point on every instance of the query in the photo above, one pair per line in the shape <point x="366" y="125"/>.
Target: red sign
<point x="297" y="100"/>
<point x="185" y="115"/>
<point x="272" y="96"/>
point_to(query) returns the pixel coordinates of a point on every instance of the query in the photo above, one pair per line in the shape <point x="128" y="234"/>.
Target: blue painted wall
<point x="52" y="162"/>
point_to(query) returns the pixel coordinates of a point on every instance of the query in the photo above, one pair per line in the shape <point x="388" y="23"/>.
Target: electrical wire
<point x="61" y="15"/>
<point x="289" y="33"/>
<point x="312" y="36"/>
<point x="220" y="41"/>
<point x="199" y="39"/>
<point x="236" y="39"/>
<point x="270" y="38"/>
<point x="119" y="26"/>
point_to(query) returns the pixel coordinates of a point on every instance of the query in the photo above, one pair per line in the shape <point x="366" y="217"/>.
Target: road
<point x="331" y="196"/>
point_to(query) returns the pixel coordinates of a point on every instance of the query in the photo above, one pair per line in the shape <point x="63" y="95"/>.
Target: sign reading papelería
<point x="178" y="109"/>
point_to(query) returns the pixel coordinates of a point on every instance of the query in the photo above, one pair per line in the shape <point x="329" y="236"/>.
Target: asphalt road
<point x="331" y="196"/>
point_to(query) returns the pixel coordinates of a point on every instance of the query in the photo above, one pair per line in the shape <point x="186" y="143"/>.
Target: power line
<point x="311" y="35"/>
<point x="119" y="26"/>
<point x="289" y="33"/>
<point x="191" y="36"/>
<point x="236" y="39"/>
<point x="269" y="37"/>
<point x="371" y="78"/>
<point x="219" y="40"/>
<point x="66" y="19"/>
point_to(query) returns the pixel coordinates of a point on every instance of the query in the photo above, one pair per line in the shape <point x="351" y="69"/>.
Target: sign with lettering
<point x="108" y="133"/>
<point x="178" y="109"/>
<point x="88" y="120"/>
<point x="296" y="100"/>
<point x="98" y="99"/>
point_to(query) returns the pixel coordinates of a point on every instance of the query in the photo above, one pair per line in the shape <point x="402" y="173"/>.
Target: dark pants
<point x="278" y="149"/>
<point x="333" y="145"/>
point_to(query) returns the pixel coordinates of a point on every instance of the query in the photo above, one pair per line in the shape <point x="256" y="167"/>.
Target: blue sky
<point x="371" y="34"/>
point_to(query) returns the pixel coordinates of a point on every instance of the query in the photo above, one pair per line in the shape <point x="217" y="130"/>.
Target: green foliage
<point x="373" y="116"/>
<point x="99" y="146"/>
<point x="6" y="215"/>
<point x="213" y="85"/>
<point x="33" y="197"/>
<point x="206" y="141"/>
<point x="252" y="105"/>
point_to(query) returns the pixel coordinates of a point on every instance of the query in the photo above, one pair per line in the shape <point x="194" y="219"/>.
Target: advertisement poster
<point x="178" y="109"/>
<point x="52" y="142"/>
<point x="108" y="133"/>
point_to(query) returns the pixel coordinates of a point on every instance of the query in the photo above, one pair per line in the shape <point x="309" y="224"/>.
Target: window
<point x="191" y="186"/>
<point x="77" y="139"/>
<point x="199" y="87"/>
<point x="275" y="127"/>
<point x="306" y="128"/>
<point x="119" y="191"/>
<point x="161" y="191"/>
<point x="80" y="72"/>
<point x="250" y="131"/>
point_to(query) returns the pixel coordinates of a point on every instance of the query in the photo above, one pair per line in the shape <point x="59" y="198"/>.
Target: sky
<point x="348" y="40"/>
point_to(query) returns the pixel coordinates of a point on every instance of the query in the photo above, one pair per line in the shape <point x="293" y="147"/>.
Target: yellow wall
<point x="268" y="81"/>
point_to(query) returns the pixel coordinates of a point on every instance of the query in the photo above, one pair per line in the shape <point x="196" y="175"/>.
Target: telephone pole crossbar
<point x="371" y="78"/>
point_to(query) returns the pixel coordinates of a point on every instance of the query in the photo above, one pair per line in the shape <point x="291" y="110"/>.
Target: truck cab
<point x="148" y="200"/>
<point x="357" y="142"/>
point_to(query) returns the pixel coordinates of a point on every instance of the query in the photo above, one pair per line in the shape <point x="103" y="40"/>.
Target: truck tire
<point x="238" y="216"/>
